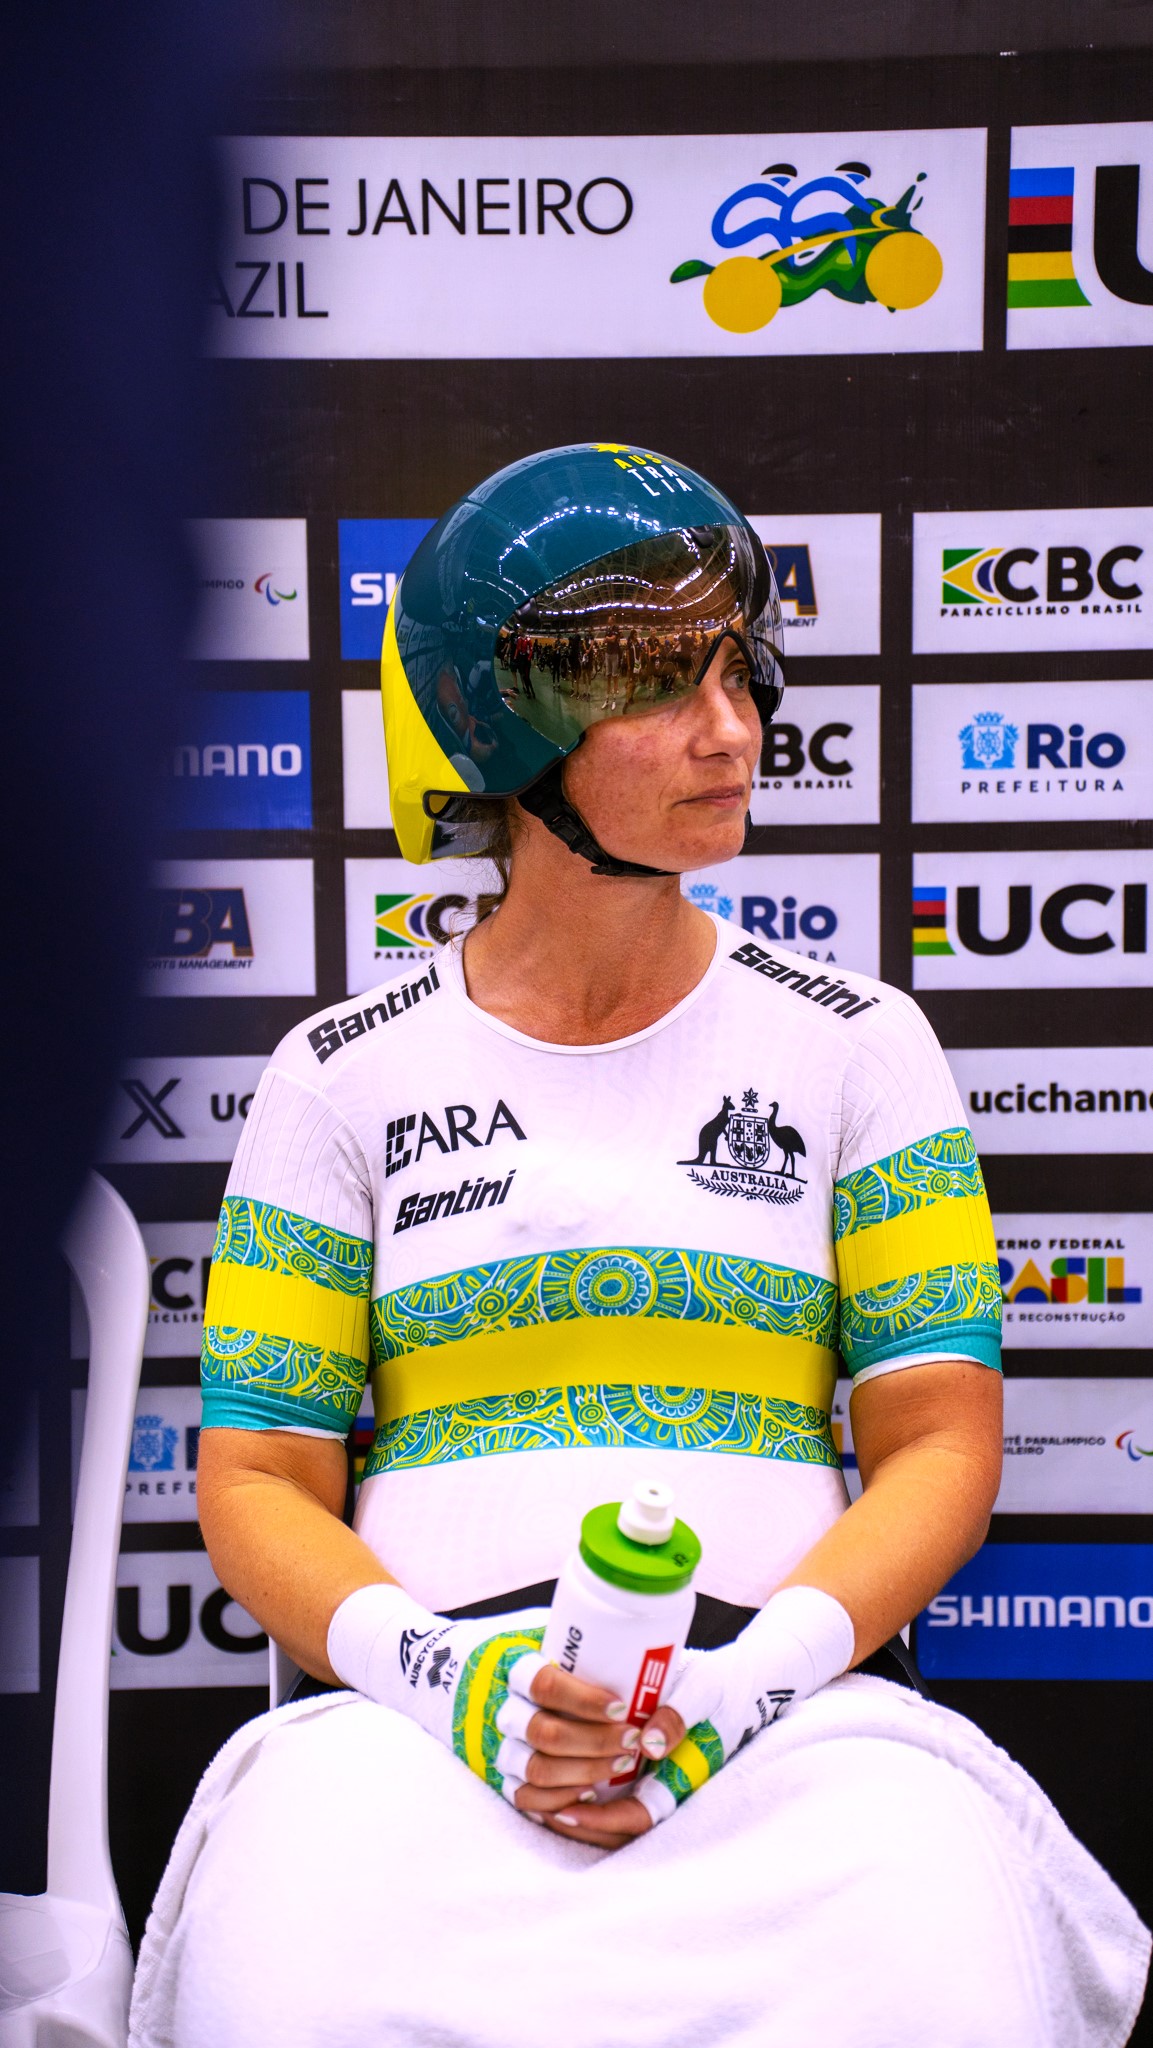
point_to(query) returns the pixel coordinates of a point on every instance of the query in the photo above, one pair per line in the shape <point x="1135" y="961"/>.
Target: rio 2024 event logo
<point x="827" y="234"/>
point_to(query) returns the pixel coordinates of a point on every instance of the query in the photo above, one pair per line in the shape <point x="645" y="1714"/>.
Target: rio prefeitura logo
<point x="826" y="235"/>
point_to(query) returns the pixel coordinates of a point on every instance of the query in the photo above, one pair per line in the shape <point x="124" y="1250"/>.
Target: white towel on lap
<point x="870" y="1872"/>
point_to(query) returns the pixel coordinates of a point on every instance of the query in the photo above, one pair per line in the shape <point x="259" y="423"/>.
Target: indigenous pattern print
<point x="259" y="1234"/>
<point x="666" y="1418"/>
<point x="480" y="1695"/>
<point x="553" y="1287"/>
<point x="286" y="1321"/>
<point x="916" y="1259"/>
<point x="309" y="1380"/>
<point x="934" y="1170"/>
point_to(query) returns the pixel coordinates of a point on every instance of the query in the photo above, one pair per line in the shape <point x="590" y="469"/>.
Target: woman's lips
<point x="728" y="796"/>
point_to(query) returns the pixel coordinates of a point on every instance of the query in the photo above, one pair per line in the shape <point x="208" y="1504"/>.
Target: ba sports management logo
<point x="1079" y="269"/>
<point x="829" y="233"/>
<point x="241" y="927"/>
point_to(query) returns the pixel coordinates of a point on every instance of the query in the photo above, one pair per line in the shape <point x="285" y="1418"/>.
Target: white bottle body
<point x="610" y="1635"/>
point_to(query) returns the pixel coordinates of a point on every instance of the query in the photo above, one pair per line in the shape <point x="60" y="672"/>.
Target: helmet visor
<point x="638" y="628"/>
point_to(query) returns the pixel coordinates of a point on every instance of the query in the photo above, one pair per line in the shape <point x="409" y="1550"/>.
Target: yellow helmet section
<point x="416" y="764"/>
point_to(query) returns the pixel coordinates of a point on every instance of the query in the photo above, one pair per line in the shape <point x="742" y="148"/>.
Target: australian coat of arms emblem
<point x="749" y="1137"/>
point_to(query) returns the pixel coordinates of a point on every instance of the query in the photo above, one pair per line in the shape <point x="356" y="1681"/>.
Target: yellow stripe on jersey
<point x="951" y="1231"/>
<point x="623" y="1351"/>
<point x="287" y="1305"/>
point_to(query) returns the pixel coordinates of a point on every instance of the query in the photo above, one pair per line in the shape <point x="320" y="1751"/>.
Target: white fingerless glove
<point x="451" y="1676"/>
<point x="799" y="1641"/>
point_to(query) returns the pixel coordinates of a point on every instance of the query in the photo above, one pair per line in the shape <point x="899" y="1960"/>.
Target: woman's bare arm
<point x="270" y="1507"/>
<point x="928" y="1441"/>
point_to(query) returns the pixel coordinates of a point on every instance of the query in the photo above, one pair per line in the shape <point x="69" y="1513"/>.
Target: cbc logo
<point x="991" y="577"/>
<point x="786" y="753"/>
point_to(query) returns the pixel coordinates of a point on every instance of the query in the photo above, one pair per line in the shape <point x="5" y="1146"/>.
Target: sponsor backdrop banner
<point x="242" y="761"/>
<point x="1075" y="1280"/>
<point x="170" y="1110"/>
<point x="828" y="571"/>
<point x="1007" y="582"/>
<point x="1044" y="1610"/>
<point x="1072" y="1447"/>
<point x="855" y="243"/>
<point x="816" y="904"/>
<point x="1076" y="752"/>
<point x="965" y="734"/>
<point x="252" y="582"/>
<point x="1078" y="1098"/>
<point x="1032" y="920"/>
<point x="161" y="1481"/>
<point x="179" y="1256"/>
<point x="1080" y="272"/>
<point x="821" y="761"/>
<point x="174" y="1625"/>
<point x="230" y="928"/>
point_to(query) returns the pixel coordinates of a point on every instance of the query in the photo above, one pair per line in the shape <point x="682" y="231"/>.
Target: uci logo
<point x="1041" y="269"/>
<point x="932" y="928"/>
<point x="996" y="579"/>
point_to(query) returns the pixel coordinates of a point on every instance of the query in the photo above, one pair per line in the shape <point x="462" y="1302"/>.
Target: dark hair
<point x="495" y="817"/>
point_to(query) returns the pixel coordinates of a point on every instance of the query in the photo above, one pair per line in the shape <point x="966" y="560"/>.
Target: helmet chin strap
<point x="547" y="801"/>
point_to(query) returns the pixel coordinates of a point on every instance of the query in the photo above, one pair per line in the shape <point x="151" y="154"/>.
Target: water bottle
<point x="623" y="1606"/>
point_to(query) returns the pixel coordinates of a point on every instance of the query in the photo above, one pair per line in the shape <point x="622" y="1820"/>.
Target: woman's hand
<point x="564" y="1737"/>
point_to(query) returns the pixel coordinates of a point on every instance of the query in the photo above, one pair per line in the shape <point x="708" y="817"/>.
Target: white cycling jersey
<point x="569" y="1266"/>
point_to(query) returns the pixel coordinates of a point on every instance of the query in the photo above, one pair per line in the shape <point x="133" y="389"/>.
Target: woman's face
<point x="669" y="786"/>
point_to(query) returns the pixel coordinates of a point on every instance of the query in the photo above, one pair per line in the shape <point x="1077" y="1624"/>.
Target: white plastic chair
<point x="65" y="1961"/>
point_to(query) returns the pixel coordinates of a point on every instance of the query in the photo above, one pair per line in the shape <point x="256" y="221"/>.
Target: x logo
<point x="151" y="1109"/>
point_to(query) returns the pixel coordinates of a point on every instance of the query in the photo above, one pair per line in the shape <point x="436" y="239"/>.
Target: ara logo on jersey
<point x="749" y="1137"/>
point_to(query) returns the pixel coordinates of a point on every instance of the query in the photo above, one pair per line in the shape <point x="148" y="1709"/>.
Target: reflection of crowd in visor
<point x="615" y="667"/>
<point x="636" y="627"/>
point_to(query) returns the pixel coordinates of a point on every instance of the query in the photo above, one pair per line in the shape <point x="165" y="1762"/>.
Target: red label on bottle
<point x="646" y="1698"/>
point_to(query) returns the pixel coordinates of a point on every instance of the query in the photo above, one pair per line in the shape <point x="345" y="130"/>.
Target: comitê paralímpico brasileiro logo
<point x="856" y="247"/>
<point x="748" y="1138"/>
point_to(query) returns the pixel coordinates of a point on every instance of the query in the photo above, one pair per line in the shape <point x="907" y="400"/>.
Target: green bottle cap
<point x="639" y="1567"/>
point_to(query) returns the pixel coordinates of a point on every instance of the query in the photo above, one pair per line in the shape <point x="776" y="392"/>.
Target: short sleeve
<point x="286" y="1320"/>
<point x="916" y="1256"/>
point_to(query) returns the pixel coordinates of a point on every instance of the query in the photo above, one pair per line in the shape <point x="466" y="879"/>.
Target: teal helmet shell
<point x="510" y="538"/>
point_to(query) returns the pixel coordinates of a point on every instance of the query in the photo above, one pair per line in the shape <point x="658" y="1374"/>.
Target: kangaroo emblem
<point x="710" y="1132"/>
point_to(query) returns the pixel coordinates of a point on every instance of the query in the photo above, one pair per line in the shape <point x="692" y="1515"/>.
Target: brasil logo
<point x="858" y="248"/>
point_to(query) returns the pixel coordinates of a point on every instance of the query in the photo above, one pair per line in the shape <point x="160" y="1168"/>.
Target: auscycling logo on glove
<point x="830" y="235"/>
<point x="748" y="1135"/>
